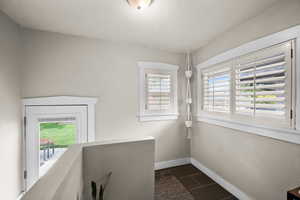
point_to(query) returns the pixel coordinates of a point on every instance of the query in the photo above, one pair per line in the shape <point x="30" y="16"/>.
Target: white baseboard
<point x="218" y="179"/>
<point x="21" y="195"/>
<point x="172" y="163"/>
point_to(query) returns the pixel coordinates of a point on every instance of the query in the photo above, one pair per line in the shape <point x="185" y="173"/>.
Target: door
<point x="50" y="130"/>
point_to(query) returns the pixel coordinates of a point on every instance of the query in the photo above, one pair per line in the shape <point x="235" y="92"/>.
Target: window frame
<point x="217" y="67"/>
<point x="232" y="66"/>
<point x="155" y="67"/>
<point x="286" y="134"/>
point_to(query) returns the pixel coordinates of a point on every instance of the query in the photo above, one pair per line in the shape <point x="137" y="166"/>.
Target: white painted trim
<point x="91" y="122"/>
<point x="221" y="181"/>
<point x="218" y="179"/>
<point x="142" y="114"/>
<point x="34" y="114"/>
<point x="264" y="42"/>
<point x="288" y="135"/>
<point x="273" y="39"/>
<point x="90" y="102"/>
<point x="172" y="163"/>
<point x="59" y="100"/>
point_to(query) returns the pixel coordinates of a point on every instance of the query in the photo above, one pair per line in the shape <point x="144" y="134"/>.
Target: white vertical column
<point x="188" y="100"/>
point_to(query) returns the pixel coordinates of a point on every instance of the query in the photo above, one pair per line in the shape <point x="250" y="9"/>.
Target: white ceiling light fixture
<point x="140" y="4"/>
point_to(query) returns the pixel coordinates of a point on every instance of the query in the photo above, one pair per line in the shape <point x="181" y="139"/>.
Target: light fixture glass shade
<point x="140" y="4"/>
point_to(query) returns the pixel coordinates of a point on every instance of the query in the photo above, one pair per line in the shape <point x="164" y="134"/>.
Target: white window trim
<point x="142" y="116"/>
<point x="289" y="135"/>
<point x="90" y="102"/>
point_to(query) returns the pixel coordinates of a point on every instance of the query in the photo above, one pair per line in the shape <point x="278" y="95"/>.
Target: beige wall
<point x="263" y="168"/>
<point x="72" y="187"/>
<point x="56" y="64"/>
<point x="131" y="163"/>
<point x="132" y="167"/>
<point x="63" y="181"/>
<point x="10" y="117"/>
<point x="280" y="16"/>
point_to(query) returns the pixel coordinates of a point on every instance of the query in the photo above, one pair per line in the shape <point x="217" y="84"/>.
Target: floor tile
<point x="231" y="198"/>
<point x="187" y="183"/>
<point x="184" y="170"/>
<point x="211" y="192"/>
<point x="203" y="179"/>
<point x="169" y="187"/>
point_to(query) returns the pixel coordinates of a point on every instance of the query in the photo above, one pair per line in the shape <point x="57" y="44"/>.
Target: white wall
<point x="131" y="164"/>
<point x="56" y="64"/>
<point x="263" y="168"/>
<point x="10" y="117"/>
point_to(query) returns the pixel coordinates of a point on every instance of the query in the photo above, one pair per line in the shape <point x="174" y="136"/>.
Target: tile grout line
<point x="203" y="186"/>
<point x="192" y="177"/>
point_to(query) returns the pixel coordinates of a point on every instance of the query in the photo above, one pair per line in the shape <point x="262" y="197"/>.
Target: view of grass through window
<point x="59" y="135"/>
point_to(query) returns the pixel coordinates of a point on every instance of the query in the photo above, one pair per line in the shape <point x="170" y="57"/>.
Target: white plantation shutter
<point x="263" y="84"/>
<point x="216" y="89"/>
<point x="255" y="87"/>
<point x="158" y="99"/>
<point x="158" y="91"/>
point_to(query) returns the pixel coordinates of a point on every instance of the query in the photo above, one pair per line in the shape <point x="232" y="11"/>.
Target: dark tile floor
<point x="187" y="183"/>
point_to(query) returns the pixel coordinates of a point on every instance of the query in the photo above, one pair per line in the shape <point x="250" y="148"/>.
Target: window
<point x="264" y="83"/>
<point x="256" y="88"/>
<point x="157" y="91"/>
<point x="216" y="89"/>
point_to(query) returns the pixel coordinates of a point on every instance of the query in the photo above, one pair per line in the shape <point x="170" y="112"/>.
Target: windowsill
<point x="287" y="135"/>
<point x="157" y="117"/>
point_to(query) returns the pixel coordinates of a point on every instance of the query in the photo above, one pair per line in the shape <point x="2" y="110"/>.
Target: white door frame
<point x="90" y="102"/>
<point x="34" y="116"/>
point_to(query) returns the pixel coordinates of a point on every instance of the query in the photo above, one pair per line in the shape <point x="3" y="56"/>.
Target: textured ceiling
<point x="175" y="25"/>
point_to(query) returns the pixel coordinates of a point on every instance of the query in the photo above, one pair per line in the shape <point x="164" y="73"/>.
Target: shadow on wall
<point x="103" y="182"/>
